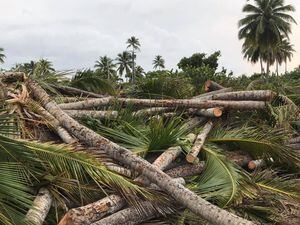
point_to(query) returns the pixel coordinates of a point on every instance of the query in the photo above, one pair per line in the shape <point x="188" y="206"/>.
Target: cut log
<point x="87" y="104"/>
<point x="131" y="215"/>
<point x="181" y="194"/>
<point x="260" y="95"/>
<point x="259" y="163"/>
<point x="295" y="146"/>
<point x="294" y="140"/>
<point x="239" y="157"/>
<point x="186" y="170"/>
<point x="212" y="112"/>
<point x="10" y="77"/>
<point x="187" y="103"/>
<point x="41" y="206"/>
<point x="192" y="156"/>
<point x="93" y="114"/>
<point x="75" y="91"/>
<point x="212" y="86"/>
<point x="208" y="95"/>
<point x="90" y="213"/>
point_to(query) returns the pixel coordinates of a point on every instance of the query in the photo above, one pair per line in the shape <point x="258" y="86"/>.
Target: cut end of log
<point x="66" y="220"/>
<point x="192" y="159"/>
<point x="217" y="112"/>
<point x="251" y="165"/>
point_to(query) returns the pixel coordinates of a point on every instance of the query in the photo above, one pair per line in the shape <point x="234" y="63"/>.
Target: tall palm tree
<point x="266" y="22"/>
<point x="139" y="71"/>
<point x="123" y="62"/>
<point x="135" y="45"/>
<point x="106" y="65"/>
<point x="2" y="56"/>
<point x="158" y="62"/>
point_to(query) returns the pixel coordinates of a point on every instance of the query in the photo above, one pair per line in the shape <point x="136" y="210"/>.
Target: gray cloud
<point x="73" y="34"/>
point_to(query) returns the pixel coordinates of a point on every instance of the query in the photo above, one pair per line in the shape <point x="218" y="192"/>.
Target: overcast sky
<point x="73" y="34"/>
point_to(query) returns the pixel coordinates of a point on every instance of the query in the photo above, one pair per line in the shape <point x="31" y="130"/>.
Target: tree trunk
<point x="93" y="114"/>
<point x="41" y="206"/>
<point x="260" y="95"/>
<point x="10" y="77"/>
<point x="90" y="213"/>
<point x="87" y="104"/>
<point x="295" y="146"/>
<point x="186" y="170"/>
<point x="75" y="91"/>
<point x="294" y="140"/>
<point x="211" y="112"/>
<point x="181" y="194"/>
<point x="262" y="71"/>
<point x="212" y="86"/>
<point x="285" y="62"/>
<point x="268" y="68"/>
<point x="277" y="70"/>
<point x="255" y="164"/>
<point x="187" y="103"/>
<point x="192" y="156"/>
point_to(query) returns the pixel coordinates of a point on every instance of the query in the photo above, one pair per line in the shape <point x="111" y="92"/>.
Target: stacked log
<point x="114" y="209"/>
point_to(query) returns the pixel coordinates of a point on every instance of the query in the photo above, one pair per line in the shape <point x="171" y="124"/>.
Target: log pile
<point x="159" y="175"/>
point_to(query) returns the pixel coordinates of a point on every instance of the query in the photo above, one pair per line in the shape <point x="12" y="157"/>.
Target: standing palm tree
<point x="2" y="56"/>
<point x="106" y="66"/>
<point x="135" y="45"/>
<point x="158" y="62"/>
<point x="139" y="71"/>
<point x="285" y="52"/>
<point x="264" y="26"/>
<point x="123" y="62"/>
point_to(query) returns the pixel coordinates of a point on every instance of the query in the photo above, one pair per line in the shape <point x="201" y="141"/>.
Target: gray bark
<point x="186" y="170"/>
<point x="181" y="194"/>
<point x="152" y="111"/>
<point x="192" y="156"/>
<point x="41" y="206"/>
<point x="93" y="114"/>
<point x="260" y="95"/>
<point x="294" y="140"/>
<point x="187" y="103"/>
<point x="207" y="96"/>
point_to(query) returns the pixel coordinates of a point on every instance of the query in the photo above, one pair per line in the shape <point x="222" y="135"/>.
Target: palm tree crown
<point x="133" y="43"/>
<point x="123" y="62"/>
<point x="2" y="56"/>
<point x="106" y="65"/>
<point x="158" y="62"/>
<point x="266" y="23"/>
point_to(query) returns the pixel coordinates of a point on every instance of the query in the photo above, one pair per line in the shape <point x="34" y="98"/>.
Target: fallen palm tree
<point x="209" y="178"/>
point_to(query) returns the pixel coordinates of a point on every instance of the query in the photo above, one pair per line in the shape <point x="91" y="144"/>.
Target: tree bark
<point x="187" y="103"/>
<point x="260" y="95"/>
<point x="181" y="194"/>
<point x="152" y="111"/>
<point x="93" y="114"/>
<point x="75" y="91"/>
<point x="186" y="170"/>
<point x="295" y="146"/>
<point x="192" y="156"/>
<point x="212" y="86"/>
<point x="41" y="206"/>
<point x="254" y="164"/>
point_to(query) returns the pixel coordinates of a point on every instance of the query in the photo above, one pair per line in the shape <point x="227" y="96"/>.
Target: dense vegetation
<point x="33" y="156"/>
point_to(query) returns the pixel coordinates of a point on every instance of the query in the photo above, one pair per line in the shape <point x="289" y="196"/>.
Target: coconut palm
<point x="266" y="23"/>
<point x="158" y="62"/>
<point x="139" y="71"/>
<point x="2" y="56"/>
<point x="106" y="66"/>
<point x="123" y="62"/>
<point x="135" y="45"/>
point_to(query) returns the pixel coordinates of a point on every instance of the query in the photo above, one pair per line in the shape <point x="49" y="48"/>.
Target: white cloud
<point x="73" y="34"/>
